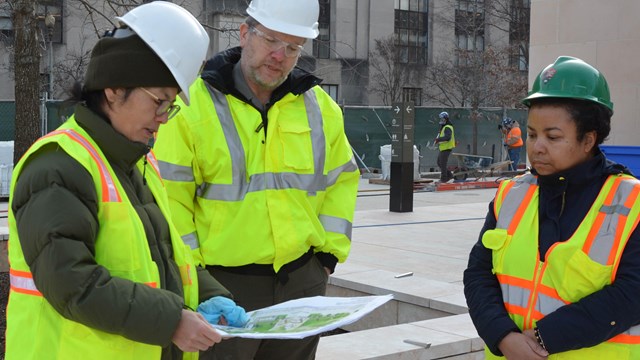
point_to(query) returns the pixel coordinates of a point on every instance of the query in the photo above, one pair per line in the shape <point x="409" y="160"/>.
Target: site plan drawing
<point x="297" y="319"/>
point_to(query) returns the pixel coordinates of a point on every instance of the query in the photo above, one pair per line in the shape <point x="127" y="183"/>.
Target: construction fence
<point x="368" y="129"/>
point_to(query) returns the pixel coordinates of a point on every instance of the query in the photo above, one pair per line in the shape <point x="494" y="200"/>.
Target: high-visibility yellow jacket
<point x="35" y="330"/>
<point x="451" y="143"/>
<point x="573" y="269"/>
<point x="240" y="198"/>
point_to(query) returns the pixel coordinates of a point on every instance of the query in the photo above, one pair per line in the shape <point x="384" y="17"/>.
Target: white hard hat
<point x="292" y="17"/>
<point x="175" y="35"/>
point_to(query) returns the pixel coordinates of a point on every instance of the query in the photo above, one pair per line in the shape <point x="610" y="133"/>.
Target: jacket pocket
<point x="497" y="241"/>
<point x="295" y="140"/>
<point x="574" y="274"/>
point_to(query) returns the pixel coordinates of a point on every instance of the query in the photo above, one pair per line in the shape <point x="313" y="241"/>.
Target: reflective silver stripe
<point x="22" y="283"/>
<point x="240" y="186"/>
<point x="547" y="304"/>
<point x="619" y="209"/>
<point x="174" y="172"/>
<point x="513" y="200"/>
<point x="515" y="295"/>
<point x="238" y="161"/>
<point x="634" y="331"/>
<point x="333" y="175"/>
<point x="112" y="192"/>
<point x="318" y="142"/>
<point x="191" y="240"/>
<point x="151" y="159"/>
<point x="605" y="238"/>
<point x="336" y="225"/>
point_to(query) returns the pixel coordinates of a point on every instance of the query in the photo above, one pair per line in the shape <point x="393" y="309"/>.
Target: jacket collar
<point x="589" y="171"/>
<point x="119" y="150"/>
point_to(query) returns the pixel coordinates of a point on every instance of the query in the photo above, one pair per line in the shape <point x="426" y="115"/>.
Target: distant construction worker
<point x="513" y="141"/>
<point x="446" y="141"/>
<point x="260" y="172"/>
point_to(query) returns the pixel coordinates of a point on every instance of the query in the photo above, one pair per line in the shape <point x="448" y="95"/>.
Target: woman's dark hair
<point x="95" y="100"/>
<point x="588" y="115"/>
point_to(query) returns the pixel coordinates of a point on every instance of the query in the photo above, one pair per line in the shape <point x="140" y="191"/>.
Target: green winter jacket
<point x="55" y="206"/>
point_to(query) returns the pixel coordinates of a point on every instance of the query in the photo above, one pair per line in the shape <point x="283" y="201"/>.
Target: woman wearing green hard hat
<point x="556" y="271"/>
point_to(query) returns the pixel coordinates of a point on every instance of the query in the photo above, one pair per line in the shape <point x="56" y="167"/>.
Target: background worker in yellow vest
<point x="260" y="173"/>
<point x="556" y="272"/>
<point x="446" y="141"/>
<point x="513" y="141"/>
<point x="98" y="270"/>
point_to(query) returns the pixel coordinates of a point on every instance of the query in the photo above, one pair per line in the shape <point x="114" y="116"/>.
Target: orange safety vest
<point x="512" y="134"/>
<point x="35" y="330"/>
<point x="573" y="269"/>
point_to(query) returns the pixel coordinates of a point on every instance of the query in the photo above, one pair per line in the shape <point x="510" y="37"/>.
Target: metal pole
<point x="51" y="63"/>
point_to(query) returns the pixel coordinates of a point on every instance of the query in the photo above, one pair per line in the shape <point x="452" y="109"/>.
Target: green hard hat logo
<point x="570" y="77"/>
<point x="548" y="74"/>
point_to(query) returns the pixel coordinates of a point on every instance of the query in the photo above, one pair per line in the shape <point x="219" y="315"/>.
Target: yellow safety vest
<point x="447" y="145"/>
<point x="241" y="200"/>
<point x="573" y="269"/>
<point x="35" y="330"/>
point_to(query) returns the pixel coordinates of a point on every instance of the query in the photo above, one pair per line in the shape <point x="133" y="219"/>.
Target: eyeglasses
<point x="275" y="44"/>
<point x="164" y="106"/>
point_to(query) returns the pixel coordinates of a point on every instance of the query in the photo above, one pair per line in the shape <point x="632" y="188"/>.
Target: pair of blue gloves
<point x="220" y="306"/>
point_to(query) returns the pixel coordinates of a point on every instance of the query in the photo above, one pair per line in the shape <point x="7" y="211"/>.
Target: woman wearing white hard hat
<point x="98" y="270"/>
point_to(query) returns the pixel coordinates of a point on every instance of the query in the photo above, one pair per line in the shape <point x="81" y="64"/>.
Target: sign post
<point x="402" y="135"/>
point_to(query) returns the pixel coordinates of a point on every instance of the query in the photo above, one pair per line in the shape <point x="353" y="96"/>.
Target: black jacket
<point x="565" y="199"/>
<point x="55" y="206"/>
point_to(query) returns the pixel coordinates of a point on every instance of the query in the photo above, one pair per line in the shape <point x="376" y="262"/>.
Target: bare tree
<point x="389" y="73"/>
<point x="513" y="17"/>
<point x="479" y="75"/>
<point x="27" y="75"/>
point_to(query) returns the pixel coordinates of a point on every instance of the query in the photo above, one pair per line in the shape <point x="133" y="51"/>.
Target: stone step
<point x="451" y="337"/>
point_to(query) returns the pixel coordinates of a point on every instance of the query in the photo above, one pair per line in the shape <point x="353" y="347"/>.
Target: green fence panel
<point x="367" y="129"/>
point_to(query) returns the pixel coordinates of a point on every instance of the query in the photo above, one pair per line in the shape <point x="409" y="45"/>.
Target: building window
<point x="6" y="25"/>
<point x="469" y="29"/>
<point x="322" y="44"/>
<point x="519" y="27"/>
<point x="412" y="95"/>
<point x="411" y="30"/>
<point x="43" y="8"/>
<point x="332" y="90"/>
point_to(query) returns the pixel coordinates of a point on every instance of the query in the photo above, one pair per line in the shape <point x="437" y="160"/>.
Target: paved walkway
<point x="432" y="242"/>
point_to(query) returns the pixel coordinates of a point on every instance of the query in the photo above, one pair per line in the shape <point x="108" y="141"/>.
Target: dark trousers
<point x="258" y="291"/>
<point x="514" y="156"/>
<point x="443" y="160"/>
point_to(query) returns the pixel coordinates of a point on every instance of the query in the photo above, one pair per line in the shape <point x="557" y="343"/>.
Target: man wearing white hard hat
<point x="260" y="173"/>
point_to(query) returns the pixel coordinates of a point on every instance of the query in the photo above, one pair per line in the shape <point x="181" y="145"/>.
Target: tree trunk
<point x="27" y="76"/>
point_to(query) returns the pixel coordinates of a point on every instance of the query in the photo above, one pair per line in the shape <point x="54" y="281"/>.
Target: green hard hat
<point x="570" y="77"/>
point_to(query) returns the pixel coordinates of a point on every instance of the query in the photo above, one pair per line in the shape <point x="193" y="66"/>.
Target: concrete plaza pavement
<point x="432" y="242"/>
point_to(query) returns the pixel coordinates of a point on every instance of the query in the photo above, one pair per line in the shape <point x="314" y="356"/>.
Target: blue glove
<point x="218" y="306"/>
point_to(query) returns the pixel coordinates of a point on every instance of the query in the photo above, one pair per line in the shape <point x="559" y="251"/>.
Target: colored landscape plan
<point x="297" y="319"/>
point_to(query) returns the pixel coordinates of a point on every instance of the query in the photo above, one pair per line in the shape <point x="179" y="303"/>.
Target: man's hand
<point x="194" y="333"/>
<point x="517" y="346"/>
